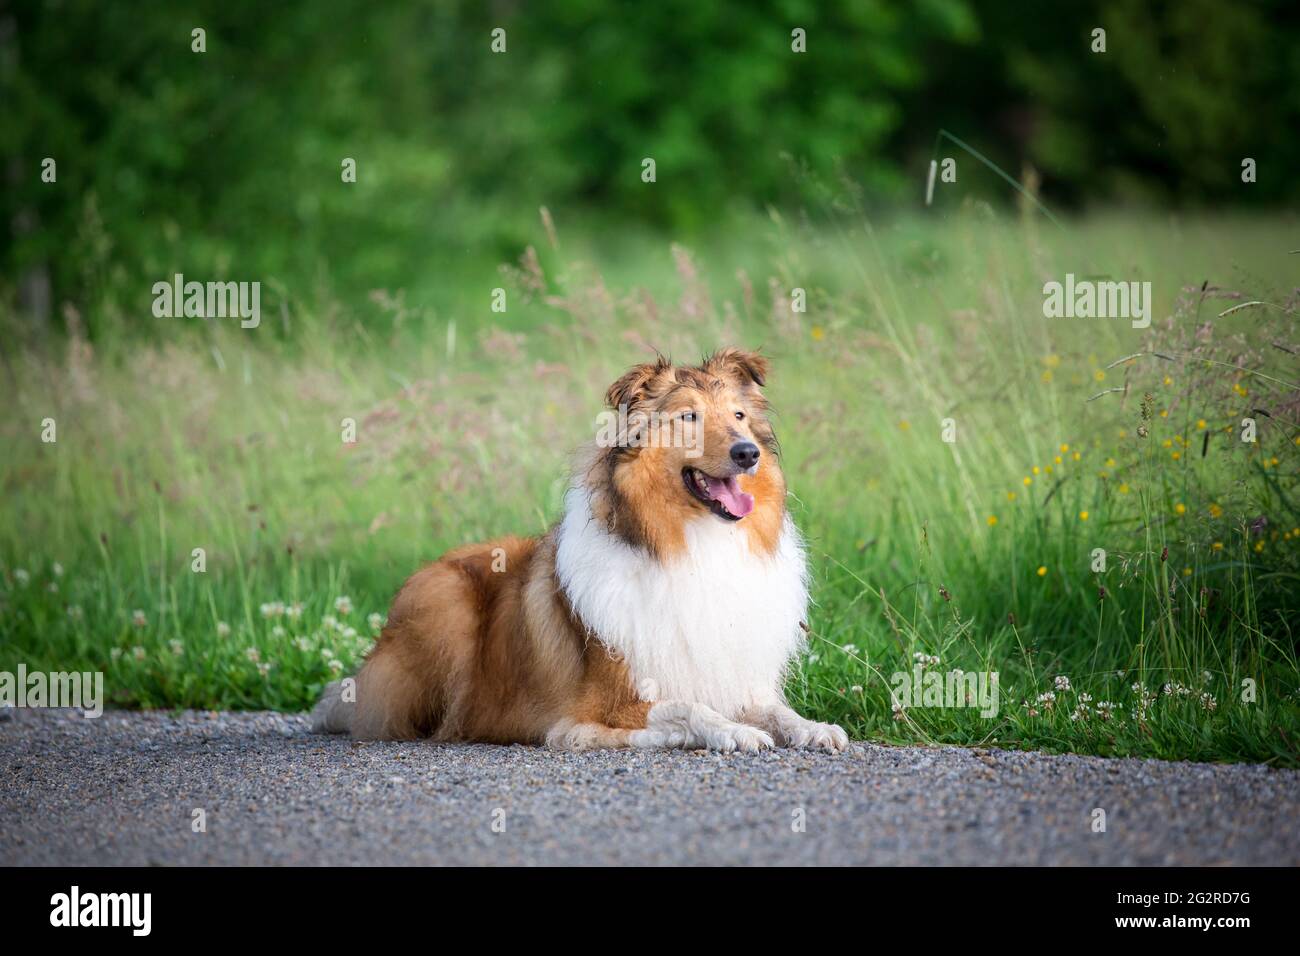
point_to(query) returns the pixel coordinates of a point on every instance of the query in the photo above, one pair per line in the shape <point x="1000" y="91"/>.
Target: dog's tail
<point x="332" y="714"/>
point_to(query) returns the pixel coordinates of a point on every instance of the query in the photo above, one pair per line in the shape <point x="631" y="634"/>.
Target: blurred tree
<point x="228" y="162"/>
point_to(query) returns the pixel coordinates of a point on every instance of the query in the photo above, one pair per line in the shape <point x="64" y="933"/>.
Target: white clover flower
<point x="343" y="605"/>
<point x="1206" y="677"/>
<point x="302" y="643"/>
<point x="849" y="648"/>
<point x="1062" y="682"/>
<point x="294" y="610"/>
<point x="1085" y="698"/>
<point x="273" y="609"/>
<point x="21" y="576"/>
<point x="348" y="632"/>
<point x="138" y="652"/>
<point x="56" y="569"/>
<point x="278" y="631"/>
<point x="1145" y="700"/>
<point x="264" y="669"/>
<point x="376" y="621"/>
<point x="329" y="622"/>
<point x="856" y="689"/>
<point x="177" y="647"/>
<point x="52" y="587"/>
<point x="253" y="654"/>
<point x="327" y="653"/>
<point x="138" y="618"/>
<point x="115" y="653"/>
<point x="75" y="612"/>
<point x="335" y="665"/>
<point x="223" y="629"/>
<point x="1208" y="702"/>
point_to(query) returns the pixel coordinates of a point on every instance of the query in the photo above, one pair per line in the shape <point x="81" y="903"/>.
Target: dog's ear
<point x="631" y="388"/>
<point x="745" y="367"/>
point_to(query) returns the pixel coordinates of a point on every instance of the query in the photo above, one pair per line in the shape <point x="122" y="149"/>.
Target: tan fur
<point x="481" y="644"/>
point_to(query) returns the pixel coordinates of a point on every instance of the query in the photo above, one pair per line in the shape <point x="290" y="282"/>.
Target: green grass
<point x="176" y="434"/>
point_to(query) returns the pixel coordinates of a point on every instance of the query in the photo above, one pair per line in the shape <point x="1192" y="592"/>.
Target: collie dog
<point x="662" y="610"/>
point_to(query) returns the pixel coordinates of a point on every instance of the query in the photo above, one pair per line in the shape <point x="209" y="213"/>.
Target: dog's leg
<point x="791" y="730"/>
<point x="332" y="715"/>
<point x="696" y="725"/>
<point x="589" y="735"/>
<point x="668" y="723"/>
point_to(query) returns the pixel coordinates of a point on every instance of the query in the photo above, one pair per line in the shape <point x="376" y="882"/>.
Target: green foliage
<point x="238" y="149"/>
<point x="227" y="165"/>
<point x="230" y="440"/>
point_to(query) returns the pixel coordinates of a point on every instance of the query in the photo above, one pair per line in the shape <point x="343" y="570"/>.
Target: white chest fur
<point x="716" y="625"/>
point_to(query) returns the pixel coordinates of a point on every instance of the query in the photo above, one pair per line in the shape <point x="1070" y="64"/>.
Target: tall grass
<point x="974" y="554"/>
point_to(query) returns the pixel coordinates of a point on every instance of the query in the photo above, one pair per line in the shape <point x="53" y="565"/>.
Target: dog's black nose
<point x="745" y="454"/>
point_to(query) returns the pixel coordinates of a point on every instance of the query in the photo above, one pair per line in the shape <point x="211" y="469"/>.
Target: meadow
<point x="956" y="460"/>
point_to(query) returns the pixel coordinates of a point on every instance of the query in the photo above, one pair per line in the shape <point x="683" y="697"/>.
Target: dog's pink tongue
<point x="728" y="492"/>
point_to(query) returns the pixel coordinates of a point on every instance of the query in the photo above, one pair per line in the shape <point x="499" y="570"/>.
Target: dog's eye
<point x="739" y="415"/>
<point x="688" y="416"/>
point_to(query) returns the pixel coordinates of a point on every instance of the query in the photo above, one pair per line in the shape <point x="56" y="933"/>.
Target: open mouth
<point x="722" y="495"/>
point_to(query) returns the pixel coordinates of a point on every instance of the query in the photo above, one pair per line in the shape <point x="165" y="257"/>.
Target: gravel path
<point x="122" y="789"/>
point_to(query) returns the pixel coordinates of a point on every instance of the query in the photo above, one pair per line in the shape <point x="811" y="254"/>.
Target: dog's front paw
<point x="812" y="734"/>
<point x="569" y="736"/>
<point x="738" y="737"/>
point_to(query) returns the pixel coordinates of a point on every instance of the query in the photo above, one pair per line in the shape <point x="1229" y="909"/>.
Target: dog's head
<point x="691" y="442"/>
